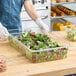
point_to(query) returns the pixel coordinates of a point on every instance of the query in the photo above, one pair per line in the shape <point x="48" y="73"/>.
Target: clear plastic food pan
<point x="71" y="32"/>
<point x="4" y="62"/>
<point x="41" y="55"/>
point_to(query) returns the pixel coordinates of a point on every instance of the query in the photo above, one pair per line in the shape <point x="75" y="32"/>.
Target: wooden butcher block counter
<point x="20" y="66"/>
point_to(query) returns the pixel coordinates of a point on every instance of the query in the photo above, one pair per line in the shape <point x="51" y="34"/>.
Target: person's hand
<point x="3" y="33"/>
<point x="44" y="28"/>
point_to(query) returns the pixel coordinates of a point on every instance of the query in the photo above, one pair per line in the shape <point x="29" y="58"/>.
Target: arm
<point x="31" y="10"/>
<point x="34" y="15"/>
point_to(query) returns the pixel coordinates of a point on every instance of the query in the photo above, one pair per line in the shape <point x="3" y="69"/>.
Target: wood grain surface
<point x="20" y="66"/>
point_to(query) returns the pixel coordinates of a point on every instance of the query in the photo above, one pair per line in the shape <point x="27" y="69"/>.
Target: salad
<point x="37" y="41"/>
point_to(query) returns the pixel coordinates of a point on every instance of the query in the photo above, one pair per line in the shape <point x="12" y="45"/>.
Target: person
<point x="10" y="16"/>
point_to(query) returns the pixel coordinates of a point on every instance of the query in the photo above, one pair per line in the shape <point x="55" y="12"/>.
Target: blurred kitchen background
<point x="58" y="20"/>
<point x="43" y="8"/>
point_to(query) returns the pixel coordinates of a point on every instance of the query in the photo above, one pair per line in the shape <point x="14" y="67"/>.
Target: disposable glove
<point x="3" y="32"/>
<point x="44" y="28"/>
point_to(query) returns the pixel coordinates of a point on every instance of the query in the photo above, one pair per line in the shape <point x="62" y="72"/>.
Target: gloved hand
<point x="3" y="32"/>
<point x="44" y="28"/>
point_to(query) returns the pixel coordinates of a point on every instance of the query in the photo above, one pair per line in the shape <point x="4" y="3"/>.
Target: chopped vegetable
<point x="37" y="41"/>
<point x="3" y="66"/>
